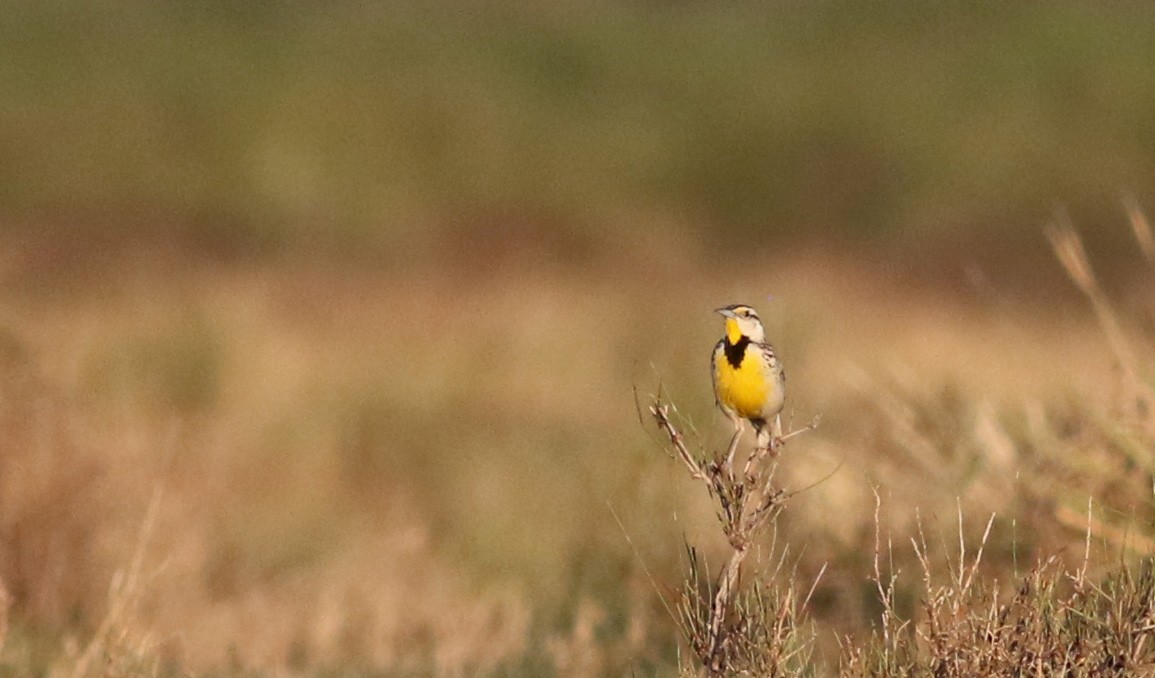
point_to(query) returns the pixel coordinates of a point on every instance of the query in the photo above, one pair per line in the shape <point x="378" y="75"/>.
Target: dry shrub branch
<point x="751" y="632"/>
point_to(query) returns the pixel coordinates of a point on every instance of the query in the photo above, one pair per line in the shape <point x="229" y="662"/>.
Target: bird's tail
<point x="767" y="431"/>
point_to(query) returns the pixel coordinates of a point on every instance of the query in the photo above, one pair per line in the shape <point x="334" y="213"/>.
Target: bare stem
<point x="715" y="656"/>
<point x="661" y="414"/>
<point x="745" y="504"/>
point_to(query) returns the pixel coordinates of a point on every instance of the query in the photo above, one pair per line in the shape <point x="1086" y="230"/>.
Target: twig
<point x="661" y="414"/>
<point x="727" y="579"/>
<point x="731" y="450"/>
<point x="745" y="506"/>
<point x="775" y="443"/>
<point x="799" y="431"/>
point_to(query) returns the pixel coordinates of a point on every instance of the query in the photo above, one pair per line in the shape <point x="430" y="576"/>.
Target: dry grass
<point x="290" y="467"/>
<point x="1054" y="619"/>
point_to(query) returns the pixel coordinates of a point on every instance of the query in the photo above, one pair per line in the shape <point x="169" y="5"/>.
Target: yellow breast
<point x="743" y="389"/>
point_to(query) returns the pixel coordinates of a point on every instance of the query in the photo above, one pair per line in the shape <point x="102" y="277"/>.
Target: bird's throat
<point x="733" y="334"/>
<point x="735" y="350"/>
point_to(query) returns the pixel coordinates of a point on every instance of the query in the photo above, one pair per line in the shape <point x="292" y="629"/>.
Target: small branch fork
<point x="745" y="503"/>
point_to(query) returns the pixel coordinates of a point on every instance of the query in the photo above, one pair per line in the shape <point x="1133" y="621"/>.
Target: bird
<point x="749" y="382"/>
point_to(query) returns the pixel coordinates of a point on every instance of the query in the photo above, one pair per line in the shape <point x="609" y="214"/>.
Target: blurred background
<point x="321" y="322"/>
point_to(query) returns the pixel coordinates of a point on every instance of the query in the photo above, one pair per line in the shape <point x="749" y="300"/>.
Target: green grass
<point x="350" y="127"/>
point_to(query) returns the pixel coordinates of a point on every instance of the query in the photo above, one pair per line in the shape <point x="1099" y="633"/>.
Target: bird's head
<point x="742" y="320"/>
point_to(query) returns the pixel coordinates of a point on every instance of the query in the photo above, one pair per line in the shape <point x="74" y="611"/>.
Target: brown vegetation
<point x="282" y="466"/>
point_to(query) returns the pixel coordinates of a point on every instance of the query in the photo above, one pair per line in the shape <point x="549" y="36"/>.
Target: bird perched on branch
<point x="749" y="382"/>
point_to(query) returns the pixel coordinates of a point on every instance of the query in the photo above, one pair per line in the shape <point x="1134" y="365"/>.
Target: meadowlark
<point x="749" y="382"/>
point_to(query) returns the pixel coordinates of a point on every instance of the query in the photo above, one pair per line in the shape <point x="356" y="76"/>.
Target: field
<point x="287" y="466"/>
<point x="329" y="332"/>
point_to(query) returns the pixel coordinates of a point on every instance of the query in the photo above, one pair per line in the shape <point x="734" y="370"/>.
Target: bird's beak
<point x="726" y="312"/>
